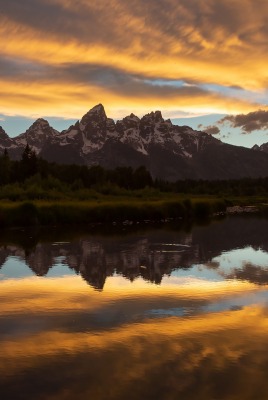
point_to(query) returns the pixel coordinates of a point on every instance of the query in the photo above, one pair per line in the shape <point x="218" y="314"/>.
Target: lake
<point x="135" y="313"/>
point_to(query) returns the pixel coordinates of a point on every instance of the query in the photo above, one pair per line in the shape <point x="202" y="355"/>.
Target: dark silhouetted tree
<point x="29" y="165"/>
<point x="5" y="168"/>
<point x="142" y="178"/>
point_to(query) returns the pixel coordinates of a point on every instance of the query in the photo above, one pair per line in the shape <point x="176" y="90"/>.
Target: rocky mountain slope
<point x="263" y="147"/>
<point x="168" y="151"/>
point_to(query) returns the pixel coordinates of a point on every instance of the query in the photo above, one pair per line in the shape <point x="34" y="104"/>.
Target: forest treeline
<point x="33" y="177"/>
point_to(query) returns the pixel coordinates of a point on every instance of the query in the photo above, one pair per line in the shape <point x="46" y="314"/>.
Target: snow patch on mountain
<point x="37" y="136"/>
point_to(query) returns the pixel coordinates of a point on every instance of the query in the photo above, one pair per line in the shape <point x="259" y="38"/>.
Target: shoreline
<point x="120" y="211"/>
<point x="125" y="212"/>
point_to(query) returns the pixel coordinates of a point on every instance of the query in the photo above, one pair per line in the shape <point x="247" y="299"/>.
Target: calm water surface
<point x="153" y="314"/>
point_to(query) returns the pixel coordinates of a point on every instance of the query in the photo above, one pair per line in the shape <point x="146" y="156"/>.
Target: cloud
<point x="164" y="36"/>
<point x="69" y="89"/>
<point x="211" y="130"/>
<point x="256" y="120"/>
<point x="118" y="49"/>
<point x="17" y="68"/>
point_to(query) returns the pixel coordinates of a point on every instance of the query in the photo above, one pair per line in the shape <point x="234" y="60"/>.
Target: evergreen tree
<point x="5" y="168"/>
<point x="29" y="165"/>
<point x="142" y="178"/>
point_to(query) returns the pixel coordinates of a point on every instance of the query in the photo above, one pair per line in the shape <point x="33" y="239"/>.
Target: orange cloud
<point x="67" y="100"/>
<point x="198" y="42"/>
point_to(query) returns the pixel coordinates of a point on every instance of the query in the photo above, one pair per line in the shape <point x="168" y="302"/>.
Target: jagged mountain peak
<point x="3" y="133"/>
<point x="131" y="121"/>
<point x="41" y="121"/>
<point x="96" y="113"/>
<point x="132" y="117"/>
<point x="39" y="124"/>
<point x="39" y="127"/>
<point x="153" y="117"/>
<point x="263" y="147"/>
<point x="99" y="108"/>
<point x="256" y="147"/>
<point x="38" y="135"/>
<point x="5" y="140"/>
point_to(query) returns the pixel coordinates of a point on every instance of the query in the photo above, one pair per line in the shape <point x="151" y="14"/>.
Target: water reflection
<point x="175" y="315"/>
<point x="221" y="250"/>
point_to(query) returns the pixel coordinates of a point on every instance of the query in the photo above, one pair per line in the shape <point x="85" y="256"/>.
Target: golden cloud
<point x="198" y="42"/>
<point x="69" y="100"/>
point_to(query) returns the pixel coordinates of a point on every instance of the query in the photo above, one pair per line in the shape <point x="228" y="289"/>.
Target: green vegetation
<point x="105" y="211"/>
<point x="36" y="192"/>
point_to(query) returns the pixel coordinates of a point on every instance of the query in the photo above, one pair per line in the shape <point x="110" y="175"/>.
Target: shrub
<point x="24" y="215"/>
<point x="202" y="210"/>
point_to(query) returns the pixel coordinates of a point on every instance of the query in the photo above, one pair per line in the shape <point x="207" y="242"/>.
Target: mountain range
<point x="168" y="151"/>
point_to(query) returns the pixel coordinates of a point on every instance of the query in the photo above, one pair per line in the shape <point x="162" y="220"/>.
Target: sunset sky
<point x="203" y="63"/>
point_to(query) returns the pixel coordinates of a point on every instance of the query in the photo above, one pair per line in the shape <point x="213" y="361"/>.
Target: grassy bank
<point x="106" y="210"/>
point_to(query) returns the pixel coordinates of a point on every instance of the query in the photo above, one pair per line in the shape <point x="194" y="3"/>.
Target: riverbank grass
<point x="107" y="210"/>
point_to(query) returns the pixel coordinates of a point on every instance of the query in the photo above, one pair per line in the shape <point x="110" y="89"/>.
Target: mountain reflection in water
<point x="153" y="254"/>
<point x="175" y="315"/>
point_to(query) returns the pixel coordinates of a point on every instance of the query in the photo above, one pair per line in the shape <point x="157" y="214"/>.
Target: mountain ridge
<point x="263" y="147"/>
<point x="168" y="151"/>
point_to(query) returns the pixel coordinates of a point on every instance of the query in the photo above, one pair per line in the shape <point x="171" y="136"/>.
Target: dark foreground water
<point x="156" y="314"/>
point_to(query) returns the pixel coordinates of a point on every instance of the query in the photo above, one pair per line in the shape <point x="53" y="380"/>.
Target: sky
<point x="203" y="63"/>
